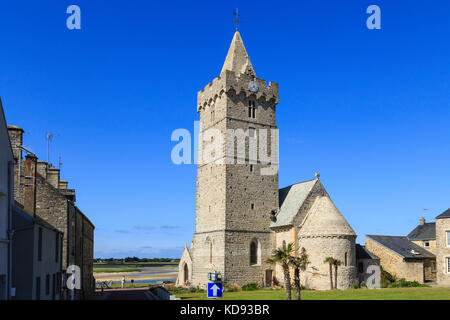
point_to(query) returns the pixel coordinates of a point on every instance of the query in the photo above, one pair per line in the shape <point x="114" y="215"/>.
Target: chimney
<point x="16" y="138"/>
<point x="422" y="221"/>
<point x="29" y="181"/>
<point x="63" y="185"/>
<point x="53" y="177"/>
<point x="42" y="169"/>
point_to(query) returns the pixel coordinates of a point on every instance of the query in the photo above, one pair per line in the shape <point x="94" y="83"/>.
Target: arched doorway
<point x="186" y="273"/>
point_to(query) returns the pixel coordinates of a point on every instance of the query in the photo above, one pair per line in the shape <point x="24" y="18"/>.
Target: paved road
<point x="126" y="294"/>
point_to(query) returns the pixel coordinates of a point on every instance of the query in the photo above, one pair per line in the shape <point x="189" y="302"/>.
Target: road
<point x="126" y="294"/>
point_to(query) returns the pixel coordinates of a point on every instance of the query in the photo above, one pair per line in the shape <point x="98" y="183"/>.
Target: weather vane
<point x="236" y="13"/>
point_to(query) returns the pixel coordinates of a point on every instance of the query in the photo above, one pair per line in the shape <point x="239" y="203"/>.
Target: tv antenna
<point x="49" y="137"/>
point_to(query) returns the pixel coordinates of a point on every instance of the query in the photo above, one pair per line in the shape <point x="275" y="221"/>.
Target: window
<point x="252" y="206"/>
<point x="253" y="253"/>
<point x="448" y="265"/>
<point x="251" y="109"/>
<point x="56" y="246"/>
<point x="251" y="168"/>
<point x="47" y="284"/>
<point x="426" y="244"/>
<point x="40" y="245"/>
<point x="212" y="113"/>
<point x="447" y="235"/>
<point x="38" y="288"/>
<point x="345" y="259"/>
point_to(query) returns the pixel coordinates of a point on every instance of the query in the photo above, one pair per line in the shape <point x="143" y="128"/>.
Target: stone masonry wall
<point x="442" y="251"/>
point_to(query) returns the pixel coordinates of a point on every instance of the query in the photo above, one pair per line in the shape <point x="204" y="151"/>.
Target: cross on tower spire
<point x="236" y="13"/>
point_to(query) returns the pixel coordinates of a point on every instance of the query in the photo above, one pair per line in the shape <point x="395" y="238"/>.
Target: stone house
<point x="241" y="215"/>
<point x="6" y="202"/>
<point x="443" y="248"/>
<point x="36" y="258"/>
<point x="424" y="235"/>
<point x="403" y="258"/>
<point x="55" y="204"/>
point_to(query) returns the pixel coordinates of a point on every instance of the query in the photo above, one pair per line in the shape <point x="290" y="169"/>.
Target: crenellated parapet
<point x="230" y="82"/>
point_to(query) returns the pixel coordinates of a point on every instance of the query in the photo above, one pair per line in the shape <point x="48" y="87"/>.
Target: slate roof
<point x="402" y="246"/>
<point x="445" y="214"/>
<point x="362" y="253"/>
<point x="425" y="231"/>
<point x="291" y="200"/>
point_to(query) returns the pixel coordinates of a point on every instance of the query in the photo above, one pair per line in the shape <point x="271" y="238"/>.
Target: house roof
<point x="363" y="253"/>
<point x="402" y="246"/>
<point x="426" y="231"/>
<point x="4" y="129"/>
<point x="291" y="200"/>
<point x="445" y="214"/>
<point x="325" y="219"/>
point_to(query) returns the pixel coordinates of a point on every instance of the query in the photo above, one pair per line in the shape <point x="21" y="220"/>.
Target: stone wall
<point x="442" y="251"/>
<point x="317" y="276"/>
<point x="431" y="248"/>
<point x="411" y="270"/>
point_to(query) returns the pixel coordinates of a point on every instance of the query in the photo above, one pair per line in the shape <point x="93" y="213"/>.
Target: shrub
<point x="402" y="283"/>
<point x="250" y="287"/>
<point x="363" y="284"/>
<point x="192" y="289"/>
<point x="355" y="285"/>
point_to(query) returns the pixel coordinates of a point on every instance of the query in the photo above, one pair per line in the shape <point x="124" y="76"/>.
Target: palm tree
<point x="330" y="261"/>
<point x="336" y="264"/>
<point x="283" y="256"/>
<point x="299" y="263"/>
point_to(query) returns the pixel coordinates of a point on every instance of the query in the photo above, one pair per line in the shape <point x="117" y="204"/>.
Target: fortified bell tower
<point x="236" y="193"/>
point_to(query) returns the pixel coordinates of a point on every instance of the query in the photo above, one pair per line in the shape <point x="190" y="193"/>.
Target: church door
<point x="268" y="278"/>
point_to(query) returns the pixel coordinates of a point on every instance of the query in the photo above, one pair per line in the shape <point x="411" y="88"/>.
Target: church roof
<point x="445" y="214"/>
<point x="237" y="59"/>
<point x="325" y="219"/>
<point x="291" y="200"/>
<point x="426" y="231"/>
<point x="402" y="246"/>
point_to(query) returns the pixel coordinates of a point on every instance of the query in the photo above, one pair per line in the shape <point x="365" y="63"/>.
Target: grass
<point x="428" y="293"/>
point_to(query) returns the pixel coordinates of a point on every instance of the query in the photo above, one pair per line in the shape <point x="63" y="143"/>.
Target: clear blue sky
<point x="367" y="109"/>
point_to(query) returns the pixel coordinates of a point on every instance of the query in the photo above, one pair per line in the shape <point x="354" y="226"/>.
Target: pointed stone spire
<point x="237" y="58"/>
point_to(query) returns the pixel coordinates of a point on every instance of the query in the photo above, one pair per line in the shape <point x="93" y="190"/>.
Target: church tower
<point x="237" y="193"/>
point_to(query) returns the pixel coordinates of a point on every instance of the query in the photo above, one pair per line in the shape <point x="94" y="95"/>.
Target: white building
<point x="6" y="201"/>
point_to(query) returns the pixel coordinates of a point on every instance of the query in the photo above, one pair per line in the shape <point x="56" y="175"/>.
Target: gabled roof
<point x="363" y="253"/>
<point x="291" y="199"/>
<point x="445" y="214"/>
<point x="402" y="246"/>
<point x="426" y="231"/>
<point x="324" y="219"/>
<point x="237" y="59"/>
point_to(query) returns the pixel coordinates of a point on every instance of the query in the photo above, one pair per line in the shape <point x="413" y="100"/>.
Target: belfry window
<point x="251" y="109"/>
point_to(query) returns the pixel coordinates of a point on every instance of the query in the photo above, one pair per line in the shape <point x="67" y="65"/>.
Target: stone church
<point x="241" y="214"/>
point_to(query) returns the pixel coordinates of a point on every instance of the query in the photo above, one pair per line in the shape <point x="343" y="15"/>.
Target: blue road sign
<point x="215" y="290"/>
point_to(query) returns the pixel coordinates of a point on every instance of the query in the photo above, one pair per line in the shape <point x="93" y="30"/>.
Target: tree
<point x="283" y="257"/>
<point x="336" y="264"/>
<point x="299" y="263"/>
<point x="330" y="261"/>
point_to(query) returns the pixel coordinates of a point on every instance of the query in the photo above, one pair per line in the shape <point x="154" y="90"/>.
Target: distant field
<point x="129" y="266"/>
<point x="423" y="293"/>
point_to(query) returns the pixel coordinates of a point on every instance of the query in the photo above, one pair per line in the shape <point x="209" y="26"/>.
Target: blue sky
<point x="368" y="109"/>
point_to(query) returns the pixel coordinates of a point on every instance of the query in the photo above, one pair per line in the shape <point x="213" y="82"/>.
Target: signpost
<point x="215" y="289"/>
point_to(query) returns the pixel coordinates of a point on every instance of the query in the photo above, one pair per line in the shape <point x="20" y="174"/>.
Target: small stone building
<point x="443" y="248"/>
<point x="364" y="260"/>
<point x="403" y="258"/>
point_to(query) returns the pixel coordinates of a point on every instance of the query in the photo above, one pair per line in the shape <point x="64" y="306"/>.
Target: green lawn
<point x="421" y="293"/>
